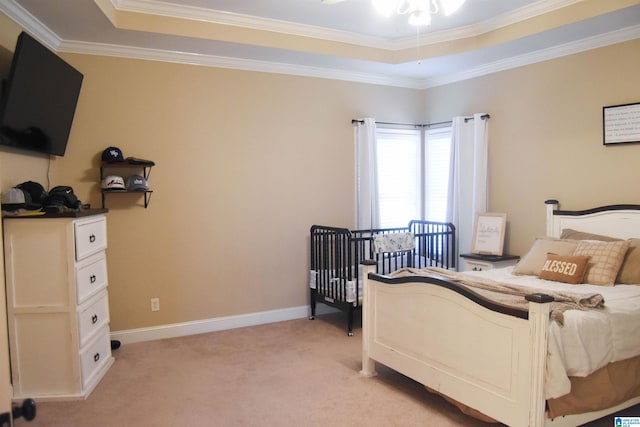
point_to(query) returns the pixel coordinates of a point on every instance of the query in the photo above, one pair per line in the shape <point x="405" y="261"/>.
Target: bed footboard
<point x="453" y="341"/>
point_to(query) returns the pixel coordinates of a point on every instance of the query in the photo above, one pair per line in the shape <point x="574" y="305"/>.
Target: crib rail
<point x="435" y="244"/>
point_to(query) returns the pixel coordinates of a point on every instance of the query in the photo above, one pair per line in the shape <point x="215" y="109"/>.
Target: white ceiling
<point x="347" y="40"/>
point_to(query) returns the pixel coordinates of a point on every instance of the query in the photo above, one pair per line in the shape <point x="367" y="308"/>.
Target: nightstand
<point x="479" y="262"/>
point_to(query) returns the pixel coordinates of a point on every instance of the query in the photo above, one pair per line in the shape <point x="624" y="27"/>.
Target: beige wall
<point x="247" y="162"/>
<point x="545" y="134"/>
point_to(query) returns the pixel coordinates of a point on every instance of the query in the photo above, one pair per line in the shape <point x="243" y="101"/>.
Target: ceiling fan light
<point x="420" y="18"/>
<point x="450" y="6"/>
<point x="385" y="7"/>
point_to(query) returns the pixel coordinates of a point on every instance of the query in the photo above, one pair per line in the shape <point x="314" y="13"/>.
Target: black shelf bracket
<point x="146" y="172"/>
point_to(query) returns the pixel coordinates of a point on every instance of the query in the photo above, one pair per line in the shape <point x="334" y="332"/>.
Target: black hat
<point x="112" y="155"/>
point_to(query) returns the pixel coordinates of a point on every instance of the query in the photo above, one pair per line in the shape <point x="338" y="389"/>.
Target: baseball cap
<point x="13" y="199"/>
<point x="19" y="199"/>
<point x="112" y="155"/>
<point x="137" y="183"/>
<point x="113" y="182"/>
<point x="34" y="193"/>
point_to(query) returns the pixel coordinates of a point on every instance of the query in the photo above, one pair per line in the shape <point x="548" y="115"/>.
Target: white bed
<point x="503" y="362"/>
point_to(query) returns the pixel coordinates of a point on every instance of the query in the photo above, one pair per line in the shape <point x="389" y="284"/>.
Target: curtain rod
<point x="466" y="119"/>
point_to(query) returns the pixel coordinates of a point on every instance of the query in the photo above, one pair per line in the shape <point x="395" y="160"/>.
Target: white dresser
<point x="57" y="305"/>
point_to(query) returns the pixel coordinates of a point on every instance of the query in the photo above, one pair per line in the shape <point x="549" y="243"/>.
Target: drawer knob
<point x="94" y="319"/>
<point x="92" y="278"/>
<point x="96" y="357"/>
<point x="92" y="238"/>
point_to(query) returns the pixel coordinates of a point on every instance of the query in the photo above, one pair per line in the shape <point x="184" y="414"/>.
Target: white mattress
<point x="589" y="339"/>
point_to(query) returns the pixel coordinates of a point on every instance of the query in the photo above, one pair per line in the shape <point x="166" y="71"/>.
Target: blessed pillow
<point x="532" y="262"/>
<point x="569" y="233"/>
<point x="567" y="269"/>
<point x="606" y="259"/>
<point x="630" y="271"/>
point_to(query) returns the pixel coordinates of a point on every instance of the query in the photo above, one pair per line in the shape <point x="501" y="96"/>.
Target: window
<point x="413" y="177"/>
<point x="437" y="173"/>
<point x="398" y="163"/>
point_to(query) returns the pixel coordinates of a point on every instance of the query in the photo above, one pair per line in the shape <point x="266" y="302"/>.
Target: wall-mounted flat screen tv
<point x="38" y="99"/>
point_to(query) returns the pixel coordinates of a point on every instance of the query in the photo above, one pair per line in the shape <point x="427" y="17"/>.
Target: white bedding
<point x="613" y="333"/>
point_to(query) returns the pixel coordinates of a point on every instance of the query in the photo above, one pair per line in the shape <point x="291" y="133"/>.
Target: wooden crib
<point x="337" y="253"/>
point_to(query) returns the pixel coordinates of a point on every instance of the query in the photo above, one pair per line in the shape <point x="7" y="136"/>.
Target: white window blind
<point x="413" y="182"/>
<point x="398" y="154"/>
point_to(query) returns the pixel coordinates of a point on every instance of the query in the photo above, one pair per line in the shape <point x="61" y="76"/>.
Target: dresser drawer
<point x="476" y="266"/>
<point x="91" y="276"/>
<point x="90" y="236"/>
<point x="95" y="355"/>
<point x="92" y="318"/>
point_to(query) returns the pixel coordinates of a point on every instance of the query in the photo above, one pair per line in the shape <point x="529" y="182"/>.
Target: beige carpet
<point x="296" y="373"/>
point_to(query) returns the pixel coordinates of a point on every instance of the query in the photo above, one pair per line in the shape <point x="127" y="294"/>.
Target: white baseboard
<point x="216" y="324"/>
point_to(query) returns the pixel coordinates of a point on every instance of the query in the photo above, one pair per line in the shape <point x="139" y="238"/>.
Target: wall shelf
<point x="126" y="165"/>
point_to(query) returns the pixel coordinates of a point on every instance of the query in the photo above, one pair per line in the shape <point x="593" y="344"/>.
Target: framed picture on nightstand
<point x="488" y="233"/>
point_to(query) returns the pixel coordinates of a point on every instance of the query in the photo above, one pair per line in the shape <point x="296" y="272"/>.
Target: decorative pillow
<point x="567" y="269"/>
<point x="630" y="271"/>
<point x="569" y="233"/>
<point x="606" y="259"/>
<point x="533" y="261"/>
<point x="393" y="242"/>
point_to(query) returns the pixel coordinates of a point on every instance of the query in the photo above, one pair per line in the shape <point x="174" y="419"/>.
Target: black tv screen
<point x="39" y="99"/>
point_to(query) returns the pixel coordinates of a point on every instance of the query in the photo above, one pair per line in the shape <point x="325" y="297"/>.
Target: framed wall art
<point x="621" y="124"/>
<point x="488" y="233"/>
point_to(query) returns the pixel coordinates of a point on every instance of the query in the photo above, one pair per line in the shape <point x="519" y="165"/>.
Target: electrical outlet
<point x="155" y="304"/>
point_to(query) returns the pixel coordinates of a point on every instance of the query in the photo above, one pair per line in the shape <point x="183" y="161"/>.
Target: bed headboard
<point x="620" y="221"/>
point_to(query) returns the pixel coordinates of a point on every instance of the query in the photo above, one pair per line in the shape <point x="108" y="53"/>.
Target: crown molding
<point x="527" y="12"/>
<point x="172" y="10"/>
<point x="602" y="40"/>
<point x="31" y="24"/>
<point x="38" y="30"/>
<point x="595" y="42"/>
<point x="90" y="48"/>
<point x="186" y="12"/>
